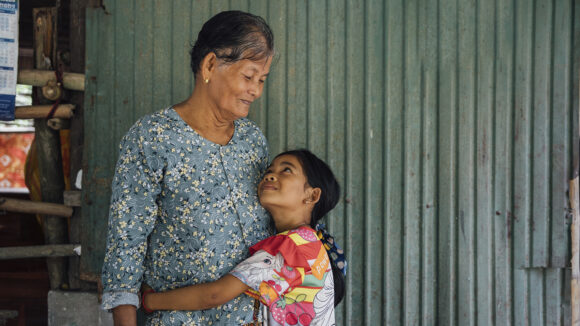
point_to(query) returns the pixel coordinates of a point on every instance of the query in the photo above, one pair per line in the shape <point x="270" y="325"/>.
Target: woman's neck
<point x="205" y="121"/>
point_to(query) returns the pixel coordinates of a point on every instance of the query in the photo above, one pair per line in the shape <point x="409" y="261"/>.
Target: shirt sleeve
<point x="267" y="275"/>
<point x="132" y="217"/>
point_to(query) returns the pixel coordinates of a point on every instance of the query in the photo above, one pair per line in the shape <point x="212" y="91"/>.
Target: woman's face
<point x="233" y="87"/>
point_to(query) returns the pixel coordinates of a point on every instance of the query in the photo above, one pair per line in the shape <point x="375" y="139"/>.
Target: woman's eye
<point x="262" y="81"/>
<point x="247" y="77"/>
<point x="287" y="170"/>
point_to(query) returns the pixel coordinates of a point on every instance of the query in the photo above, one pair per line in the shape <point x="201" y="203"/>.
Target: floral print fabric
<point x="184" y="210"/>
<point x="291" y="274"/>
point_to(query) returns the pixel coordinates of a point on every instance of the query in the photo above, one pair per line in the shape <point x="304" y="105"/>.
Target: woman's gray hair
<point x="233" y="36"/>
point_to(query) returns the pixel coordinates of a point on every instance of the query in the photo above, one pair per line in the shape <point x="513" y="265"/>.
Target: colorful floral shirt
<point x="184" y="210"/>
<point x="291" y="274"/>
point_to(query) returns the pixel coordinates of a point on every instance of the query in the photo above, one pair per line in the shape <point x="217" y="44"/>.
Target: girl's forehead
<point x="287" y="159"/>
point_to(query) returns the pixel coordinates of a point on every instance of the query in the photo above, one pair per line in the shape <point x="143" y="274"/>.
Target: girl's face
<point x="235" y="86"/>
<point x="284" y="184"/>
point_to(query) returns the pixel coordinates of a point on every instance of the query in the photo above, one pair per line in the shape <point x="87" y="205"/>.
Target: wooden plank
<point x="447" y="161"/>
<point x="484" y="122"/>
<point x="35" y="207"/>
<point x="373" y="144"/>
<point x="56" y="250"/>
<point x="575" y="229"/>
<point x="394" y="163"/>
<point x="466" y="312"/>
<point x="503" y="170"/>
<point x="522" y="154"/>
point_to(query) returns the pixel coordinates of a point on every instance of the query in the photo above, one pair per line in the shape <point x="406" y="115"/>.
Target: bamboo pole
<point x="48" y="146"/>
<point x="70" y="80"/>
<point x="34" y="207"/>
<point x="575" y="229"/>
<point x="55" y="250"/>
<point x="63" y="111"/>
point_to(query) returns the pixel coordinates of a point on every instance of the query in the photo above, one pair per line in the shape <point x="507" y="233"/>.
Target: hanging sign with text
<point x="8" y="57"/>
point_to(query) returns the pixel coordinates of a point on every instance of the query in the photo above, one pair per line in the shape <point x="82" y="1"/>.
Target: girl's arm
<point x="197" y="297"/>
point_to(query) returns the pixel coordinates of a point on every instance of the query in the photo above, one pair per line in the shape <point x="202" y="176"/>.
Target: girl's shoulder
<point x="298" y="246"/>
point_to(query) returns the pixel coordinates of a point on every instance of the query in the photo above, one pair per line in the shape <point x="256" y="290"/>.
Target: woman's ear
<point x="208" y="66"/>
<point x="314" y="196"/>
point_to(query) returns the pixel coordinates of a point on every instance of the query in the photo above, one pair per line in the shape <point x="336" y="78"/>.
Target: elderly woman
<point x="184" y="208"/>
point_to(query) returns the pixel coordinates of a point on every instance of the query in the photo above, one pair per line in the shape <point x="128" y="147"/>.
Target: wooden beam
<point x="55" y="250"/>
<point x="35" y="207"/>
<point x="63" y="111"/>
<point x="70" y="80"/>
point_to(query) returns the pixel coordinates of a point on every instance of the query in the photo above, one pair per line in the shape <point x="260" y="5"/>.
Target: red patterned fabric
<point x="13" y="149"/>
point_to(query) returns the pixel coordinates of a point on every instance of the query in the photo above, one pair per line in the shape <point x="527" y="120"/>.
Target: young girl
<point x="291" y="272"/>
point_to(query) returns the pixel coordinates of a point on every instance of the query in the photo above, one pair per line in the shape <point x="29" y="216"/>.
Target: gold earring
<point x="206" y="80"/>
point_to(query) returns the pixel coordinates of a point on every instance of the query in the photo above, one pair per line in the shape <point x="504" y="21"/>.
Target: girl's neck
<point x="285" y="228"/>
<point x="289" y="218"/>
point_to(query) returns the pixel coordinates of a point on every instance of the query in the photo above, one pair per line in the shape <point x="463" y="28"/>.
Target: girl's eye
<point x="247" y="77"/>
<point x="287" y="170"/>
<point x="262" y="81"/>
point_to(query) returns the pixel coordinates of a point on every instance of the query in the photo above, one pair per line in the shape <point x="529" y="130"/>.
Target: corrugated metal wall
<point x="451" y="125"/>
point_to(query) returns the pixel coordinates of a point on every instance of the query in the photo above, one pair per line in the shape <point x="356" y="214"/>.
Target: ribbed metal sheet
<point x="451" y="124"/>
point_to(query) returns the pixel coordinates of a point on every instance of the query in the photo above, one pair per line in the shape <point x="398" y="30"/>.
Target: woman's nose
<point x="255" y="90"/>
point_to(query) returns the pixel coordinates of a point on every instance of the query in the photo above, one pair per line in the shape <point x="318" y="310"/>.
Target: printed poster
<point x="8" y="57"/>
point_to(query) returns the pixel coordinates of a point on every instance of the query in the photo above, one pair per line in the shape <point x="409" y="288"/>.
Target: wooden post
<point x="48" y="145"/>
<point x="575" y="229"/>
<point x="78" y="8"/>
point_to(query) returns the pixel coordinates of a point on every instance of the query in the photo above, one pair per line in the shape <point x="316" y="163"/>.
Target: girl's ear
<point x="314" y="195"/>
<point x="208" y="65"/>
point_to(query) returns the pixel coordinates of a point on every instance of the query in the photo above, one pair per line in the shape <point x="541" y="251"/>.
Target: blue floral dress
<point x="184" y="210"/>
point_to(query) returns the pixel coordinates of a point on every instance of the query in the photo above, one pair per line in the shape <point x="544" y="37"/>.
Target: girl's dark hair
<point x="319" y="175"/>
<point x="233" y="36"/>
